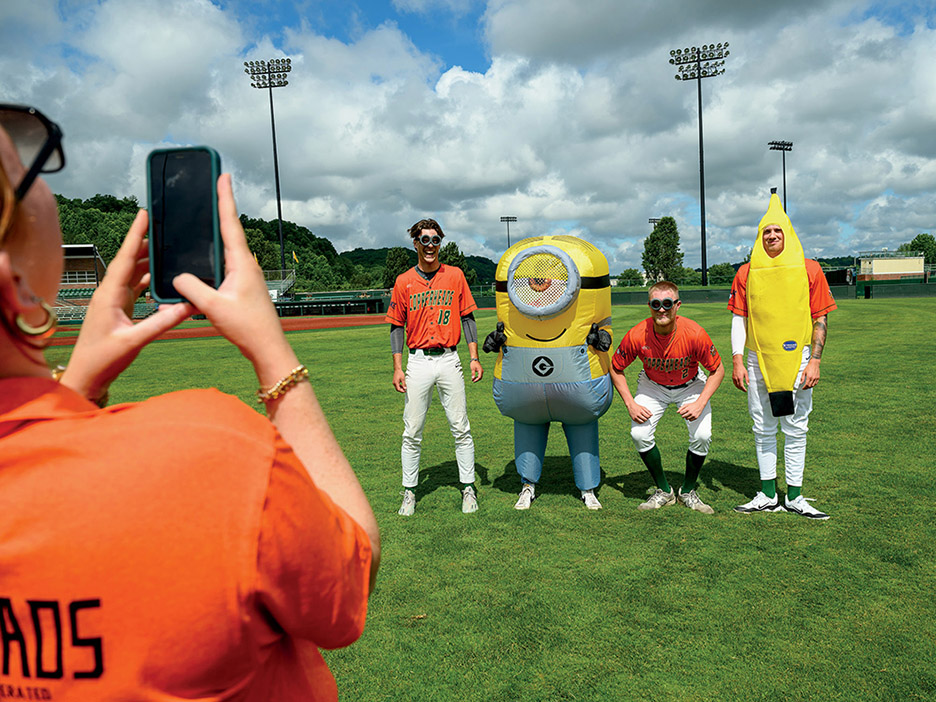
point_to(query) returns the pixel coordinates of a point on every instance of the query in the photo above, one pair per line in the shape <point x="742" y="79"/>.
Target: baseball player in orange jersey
<point x="671" y="348"/>
<point x="776" y="234"/>
<point x="433" y="302"/>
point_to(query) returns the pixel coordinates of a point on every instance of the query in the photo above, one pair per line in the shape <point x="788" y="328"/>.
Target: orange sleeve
<point x="737" y="301"/>
<point x="396" y="313"/>
<point x="708" y="354"/>
<point x="313" y="559"/>
<point x="820" y="296"/>
<point x="625" y="353"/>
<point x="466" y="298"/>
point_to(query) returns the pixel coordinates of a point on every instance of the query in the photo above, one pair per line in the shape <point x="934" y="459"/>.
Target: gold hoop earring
<point x="43" y="329"/>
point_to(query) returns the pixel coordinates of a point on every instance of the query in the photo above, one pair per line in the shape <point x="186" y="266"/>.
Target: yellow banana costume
<point x="554" y="312"/>
<point x="778" y="321"/>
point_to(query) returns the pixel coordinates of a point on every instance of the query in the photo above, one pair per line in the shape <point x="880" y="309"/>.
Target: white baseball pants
<point x="794" y="427"/>
<point x="657" y="398"/>
<point x="423" y="373"/>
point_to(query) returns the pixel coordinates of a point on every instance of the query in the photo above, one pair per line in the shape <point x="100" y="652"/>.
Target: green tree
<point x="630" y="277"/>
<point x="109" y="203"/>
<point x="687" y="276"/>
<point x="450" y="255"/>
<point x="81" y="224"/>
<point x="662" y="259"/>
<point x="266" y="251"/>
<point x="721" y="274"/>
<point x="927" y="244"/>
<point x="366" y="279"/>
<point x="397" y="262"/>
<point x="313" y="272"/>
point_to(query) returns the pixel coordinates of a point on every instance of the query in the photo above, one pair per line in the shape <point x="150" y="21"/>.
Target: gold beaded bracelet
<point x="297" y="375"/>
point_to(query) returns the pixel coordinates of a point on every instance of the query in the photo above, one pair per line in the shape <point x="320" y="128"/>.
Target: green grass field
<point x="559" y="603"/>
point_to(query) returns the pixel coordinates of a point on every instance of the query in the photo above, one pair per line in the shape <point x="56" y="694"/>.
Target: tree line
<point x="662" y="259"/>
<point x="103" y="220"/>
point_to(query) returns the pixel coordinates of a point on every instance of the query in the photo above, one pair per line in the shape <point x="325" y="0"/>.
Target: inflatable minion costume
<point x="553" y="334"/>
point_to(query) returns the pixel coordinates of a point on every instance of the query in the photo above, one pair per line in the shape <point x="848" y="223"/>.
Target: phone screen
<point x="183" y="218"/>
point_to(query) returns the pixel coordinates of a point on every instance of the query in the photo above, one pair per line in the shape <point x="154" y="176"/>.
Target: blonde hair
<point x="663" y="285"/>
<point x="7" y="203"/>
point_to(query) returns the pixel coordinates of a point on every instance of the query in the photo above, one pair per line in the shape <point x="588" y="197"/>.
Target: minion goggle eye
<point x="542" y="282"/>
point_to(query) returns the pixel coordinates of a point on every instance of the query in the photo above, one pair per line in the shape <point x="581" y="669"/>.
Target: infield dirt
<point x="288" y="323"/>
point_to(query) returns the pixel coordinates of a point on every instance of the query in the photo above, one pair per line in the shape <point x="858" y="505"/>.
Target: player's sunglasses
<point x="435" y="240"/>
<point x="38" y="142"/>
<point x="665" y="304"/>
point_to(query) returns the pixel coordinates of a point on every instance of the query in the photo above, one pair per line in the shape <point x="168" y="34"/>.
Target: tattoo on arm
<point x="819" y="331"/>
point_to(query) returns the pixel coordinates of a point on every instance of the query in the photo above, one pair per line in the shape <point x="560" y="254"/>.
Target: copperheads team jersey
<point x="175" y="549"/>
<point x="431" y="310"/>
<point x="820" y="296"/>
<point x="669" y="360"/>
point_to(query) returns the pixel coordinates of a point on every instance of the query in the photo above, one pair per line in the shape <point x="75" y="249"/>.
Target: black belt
<point x="434" y="351"/>
<point x="674" y="387"/>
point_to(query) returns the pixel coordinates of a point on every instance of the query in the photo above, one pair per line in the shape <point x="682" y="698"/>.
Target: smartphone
<point x="184" y="232"/>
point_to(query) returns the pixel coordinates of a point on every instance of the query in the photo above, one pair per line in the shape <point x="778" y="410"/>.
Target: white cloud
<point x="576" y="125"/>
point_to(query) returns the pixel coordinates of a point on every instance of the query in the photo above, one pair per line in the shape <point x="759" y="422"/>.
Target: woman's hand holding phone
<point x="109" y="339"/>
<point x="241" y="308"/>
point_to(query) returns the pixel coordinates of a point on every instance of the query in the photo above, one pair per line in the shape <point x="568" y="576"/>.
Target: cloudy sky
<point x="562" y="113"/>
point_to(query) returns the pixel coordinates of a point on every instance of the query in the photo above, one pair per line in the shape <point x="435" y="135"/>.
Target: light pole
<point x="783" y="147"/>
<point x="508" y="220"/>
<point x="654" y="221"/>
<point x="272" y="74"/>
<point x="696" y="64"/>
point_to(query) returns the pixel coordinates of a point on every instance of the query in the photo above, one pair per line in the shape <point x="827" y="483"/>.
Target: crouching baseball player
<point x="671" y="348"/>
<point x="433" y="302"/>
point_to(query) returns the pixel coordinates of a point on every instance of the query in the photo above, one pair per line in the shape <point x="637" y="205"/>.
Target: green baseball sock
<point x="693" y="466"/>
<point x="793" y="491"/>
<point x="654" y="463"/>
<point x="769" y="488"/>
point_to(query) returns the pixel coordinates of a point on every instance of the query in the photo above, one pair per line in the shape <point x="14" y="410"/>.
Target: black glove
<point x="498" y="338"/>
<point x="598" y="338"/>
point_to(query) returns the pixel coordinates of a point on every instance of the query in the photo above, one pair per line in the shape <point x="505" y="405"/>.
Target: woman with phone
<point x="182" y="547"/>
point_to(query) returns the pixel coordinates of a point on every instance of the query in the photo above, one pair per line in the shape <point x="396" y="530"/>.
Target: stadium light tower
<point x="508" y="220"/>
<point x="272" y="74"/>
<point x="783" y="147"/>
<point x="696" y="64"/>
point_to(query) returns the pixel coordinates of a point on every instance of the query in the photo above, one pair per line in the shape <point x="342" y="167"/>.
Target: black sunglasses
<point x="435" y="240"/>
<point x="38" y="142"/>
<point x="666" y="303"/>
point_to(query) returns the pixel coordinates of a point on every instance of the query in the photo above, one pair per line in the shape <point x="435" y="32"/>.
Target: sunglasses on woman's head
<point x="425" y="240"/>
<point x="38" y="141"/>
<point x="666" y="304"/>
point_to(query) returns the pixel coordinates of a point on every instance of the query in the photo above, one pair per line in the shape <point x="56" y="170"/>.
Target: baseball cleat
<point x="588" y="497"/>
<point x="801" y="507"/>
<point x="527" y="495"/>
<point x="692" y="501"/>
<point x="409" y="503"/>
<point x="469" y="500"/>
<point x="659" y="499"/>
<point x="761" y="503"/>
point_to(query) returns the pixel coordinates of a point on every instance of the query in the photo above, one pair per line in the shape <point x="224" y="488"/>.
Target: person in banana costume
<point x="780" y="302"/>
<point x="552" y="337"/>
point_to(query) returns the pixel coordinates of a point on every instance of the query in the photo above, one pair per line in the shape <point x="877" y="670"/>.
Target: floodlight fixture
<point x="694" y="63"/>
<point x="268" y="75"/>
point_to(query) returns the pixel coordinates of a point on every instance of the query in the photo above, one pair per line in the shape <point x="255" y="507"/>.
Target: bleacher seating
<point x="76" y="293"/>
